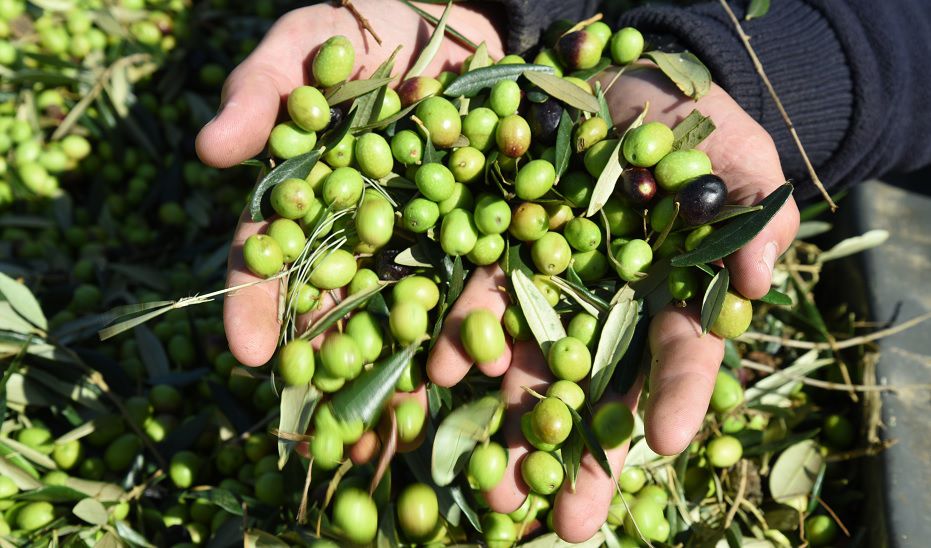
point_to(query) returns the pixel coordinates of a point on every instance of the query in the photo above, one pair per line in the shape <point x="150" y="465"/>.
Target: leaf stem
<point x="360" y="18"/>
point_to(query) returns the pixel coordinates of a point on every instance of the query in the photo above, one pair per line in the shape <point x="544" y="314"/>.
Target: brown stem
<point x="360" y="18"/>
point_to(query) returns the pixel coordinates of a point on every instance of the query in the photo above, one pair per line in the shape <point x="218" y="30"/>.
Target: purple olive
<point x="701" y="199"/>
<point x="544" y="119"/>
<point x="639" y="184"/>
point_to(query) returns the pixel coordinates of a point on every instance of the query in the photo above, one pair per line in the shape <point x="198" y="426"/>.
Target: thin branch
<point x="833" y="385"/>
<point x="834" y="516"/>
<point x="869" y="451"/>
<point x="360" y="18"/>
<point x="741" y="489"/>
<point x="847" y="343"/>
<point x="785" y="115"/>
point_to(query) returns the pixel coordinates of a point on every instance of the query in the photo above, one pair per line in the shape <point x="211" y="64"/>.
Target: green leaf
<point x="774" y="296"/>
<point x="14" y="447"/>
<point x="364" y="398"/>
<point x="479" y="79"/>
<point x="603" y="109"/>
<point x="354" y="88"/>
<point x="152" y="353"/>
<point x="222" y="498"/>
<point x="126" y="325"/>
<point x="729" y="212"/>
<point x="458" y="434"/>
<point x="541" y="317"/>
<point x="344" y="307"/>
<point x="255" y="538"/>
<point x="665" y="233"/>
<point x="691" y="131"/>
<point x="368" y="105"/>
<point x="431" y="18"/>
<point x="52" y="493"/>
<point x="608" y="178"/>
<point x="100" y="490"/>
<point x="738" y="232"/>
<point x="685" y="70"/>
<point x="413" y="256"/>
<point x="571" y="453"/>
<point x="433" y="45"/>
<point x="591" y="303"/>
<point x="810" y="229"/>
<point x="795" y="471"/>
<point x="856" y="244"/>
<point x="297" y="407"/>
<point x="757" y="8"/>
<point x="20" y="477"/>
<point x="713" y="300"/>
<point x="379" y="124"/>
<point x="297" y="167"/>
<point x="23" y="301"/>
<point x="563" y="90"/>
<point x="10" y="453"/>
<point x="590" y="441"/>
<point x="552" y="540"/>
<point x="480" y="58"/>
<point x="775" y="388"/>
<point x="563" y="143"/>
<point x="90" y="510"/>
<point x="616" y="334"/>
<point x="387" y="536"/>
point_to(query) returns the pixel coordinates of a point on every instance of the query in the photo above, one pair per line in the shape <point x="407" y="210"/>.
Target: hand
<point x="252" y="99"/>
<point x="685" y="363"/>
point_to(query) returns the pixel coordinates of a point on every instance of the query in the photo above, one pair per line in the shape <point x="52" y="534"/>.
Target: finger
<point x="580" y="512"/>
<point x="685" y="364"/>
<point x="449" y="362"/>
<point x="250" y="314"/>
<point x="528" y="369"/>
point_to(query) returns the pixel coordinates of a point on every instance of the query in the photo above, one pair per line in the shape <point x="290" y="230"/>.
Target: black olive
<point x="544" y="119"/>
<point x="701" y="199"/>
<point x="389" y="270"/>
<point x="638" y="184"/>
<point x="336" y="116"/>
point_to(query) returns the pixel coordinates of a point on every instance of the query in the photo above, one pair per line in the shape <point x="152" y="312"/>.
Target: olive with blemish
<point x="513" y="136"/>
<point x="580" y="50"/>
<point x="589" y="132"/>
<point x="701" y="199"/>
<point x="420" y="87"/>
<point x="638" y="184"/>
<point x="544" y="119"/>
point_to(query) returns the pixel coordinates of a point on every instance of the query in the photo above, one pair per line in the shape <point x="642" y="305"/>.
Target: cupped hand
<point x="685" y="362"/>
<point x="252" y="100"/>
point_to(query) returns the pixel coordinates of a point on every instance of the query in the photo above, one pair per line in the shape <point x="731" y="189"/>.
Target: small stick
<point x="302" y="509"/>
<point x="360" y="18"/>
<point x="834" y="385"/>
<point x="740" y="495"/>
<point x="847" y="343"/>
<point x="834" y="516"/>
<point x="785" y="115"/>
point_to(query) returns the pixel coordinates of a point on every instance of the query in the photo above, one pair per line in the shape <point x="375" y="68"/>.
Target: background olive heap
<point x="157" y="436"/>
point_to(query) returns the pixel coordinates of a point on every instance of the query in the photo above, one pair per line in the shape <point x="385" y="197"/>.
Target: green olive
<point x="590" y="265"/>
<point x="646" y="145"/>
<point x="411" y="417"/>
<point x="548" y="57"/>
<point x="288" y="140"/>
<point x="362" y="280"/>
<point x="334" y="61"/>
<point x="632" y="479"/>
<point x="411" y="377"/>
<point x="727" y="393"/>
<point x="349" y="431"/>
<point x="373" y="154"/>
<point x="35" y="515"/>
<point x="634" y="258"/>
<point x="622" y="219"/>
<point x="407" y="147"/>
<point x="441" y="119"/>
<point x="418" y="512"/>
<point x="577" y="187"/>
<point x="545" y="285"/>
<point x="534" y="179"/>
<point x="613" y="424"/>
<point x="551" y="421"/>
<point x="626" y="45"/>
<point x="569" y="392"/>
<point x="263" y="255"/>
<point x="582" y="234"/>
<point x="435" y="182"/>
<point x="333" y="270"/>
<point x="121" y="452"/>
<point x="296" y="362"/>
<point x="542" y="472"/>
<point x="461" y="198"/>
<point x="488" y="249"/>
<point x="682" y="283"/>
<point x="289" y="236"/>
<point x="184" y="468"/>
<point x="597" y="156"/>
<point x="584" y="327"/>
<point x="680" y="166"/>
<point x="513" y="136"/>
<point x="482" y="336"/>
<point x="375" y="220"/>
<point x="837" y="429"/>
<point x="529" y="222"/>
<point x="467" y="164"/>
<point x="590" y="132"/>
<point x="308" y="108"/>
<point x="724" y="451"/>
<point x="551" y="254"/>
<point x="67" y="455"/>
<point x="420" y="215"/>
<point x="479" y="127"/>
<point x="419" y="289"/>
<point x="569" y="359"/>
<point x="458" y="234"/>
<point x="646" y="520"/>
<point x="820" y="530"/>
<point x="499" y="531"/>
<point x="327" y="448"/>
<point x="291" y="198"/>
<point x="504" y="97"/>
<point x="516" y="324"/>
<point x="342" y="154"/>
<point x="492" y="214"/>
<point x="342" y="188"/>
<point x="340" y="356"/>
<point x="355" y="515"/>
<point x="487" y="465"/>
<point x="695" y="237"/>
<point x="663" y="213"/>
<point x="735" y="316"/>
<point x="408" y="321"/>
<point x="365" y="330"/>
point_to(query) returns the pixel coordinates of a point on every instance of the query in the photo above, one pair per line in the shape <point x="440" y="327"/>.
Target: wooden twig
<point x="785" y="115"/>
<point x="302" y="509"/>
<point x="834" y="516"/>
<point x="869" y="451"/>
<point x="741" y="489"/>
<point x="833" y="385"/>
<point x="847" y="343"/>
<point x="360" y="18"/>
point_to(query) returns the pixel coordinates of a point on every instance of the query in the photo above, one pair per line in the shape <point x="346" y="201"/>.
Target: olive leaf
<point x="297" y="167"/>
<point x="563" y="144"/>
<point x="296" y="408"/>
<point x="91" y="510"/>
<point x="571" y="453"/>
<point x="607" y="180"/>
<point x="479" y="79"/>
<point x="516" y="257"/>
<point x="458" y="434"/>
<point x="480" y="58"/>
<point x="730" y="211"/>
<point x="774" y="389"/>
<point x="23" y="301"/>
<point x="713" y="299"/>
<point x="691" y="131"/>
<point x="774" y="296"/>
<point x="364" y="398"/>
<point x="367" y="106"/>
<point x="563" y="90"/>
<point x="590" y="440"/>
<point x="461" y="38"/>
<point x="757" y="8"/>
<point x="603" y="109"/>
<point x="351" y="89"/>
<point x="591" y="303"/>
<point x="542" y="319"/>
<point x="433" y="45"/>
<point x="738" y="232"/>
<point x="856" y="244"/>
<point x="152" y="353"/>
<point x="795" y="471"/>
<point x="685" y="70"/>
<point x="379" y="124"/>
<point x="344" y="307"/>
<point x="616" y="334"/>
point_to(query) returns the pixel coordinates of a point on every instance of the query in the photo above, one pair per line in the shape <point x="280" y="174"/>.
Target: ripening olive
<point x="701" y="198"/>
<point x="355" y="515"/>
<point x="441" y="119"/>
<point x="542" y="472"/>
<point x="334" y="61"/>
<point x="526" y="428"/>
<point x="407" y="147"/>
<point x="735" y="316"/>
<point x="408" y="321"/>
<point x="551" y="421"/>
<point x="418" y="512"/>
<point x="342" y="188"/>
<point x="290" y="238"/>
<point x="634" y="257"/>
<point x="638" y="184"/>
<point x="334" y="270"/>
<point x="613" y="424"/>
<point x="288" y="140"/>
<point x="467" y="164"/>
<point x="626" y="45"/>
<point x="373" y="154"/>
<point x="680" y="166"/>
<point x="580" y="50"/>
<point x="308" y="108"/>
<point x="458" y="234"/>
<point x="296" y="362"/>
<point x="590" y="132"/>
<point x="646" y="145"/>
<point x="534" y="179"/>
<point x="419" y="87"/>
<point x="513" y="136"/>
<point x="529" y="222"/>
<point x="263" y="255"/>
<point x="551" y="254"/>
<point x="482" y="336"/>
<point x="479" y="127"/>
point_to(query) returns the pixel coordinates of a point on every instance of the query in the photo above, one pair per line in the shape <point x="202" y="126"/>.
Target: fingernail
<point x="770" y="253"/>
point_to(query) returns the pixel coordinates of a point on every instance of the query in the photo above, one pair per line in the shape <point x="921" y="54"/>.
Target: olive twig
<point x="361" y="19"/>
<point x="749" y="364"/>
<point x="847" y="343"/>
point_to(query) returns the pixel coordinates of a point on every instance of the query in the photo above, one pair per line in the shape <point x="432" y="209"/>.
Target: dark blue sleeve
<point x="852" y="75"/>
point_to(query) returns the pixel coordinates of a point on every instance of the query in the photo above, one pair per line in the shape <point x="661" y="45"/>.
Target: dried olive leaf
<point x="541" y="317"/>
<point x="479" y="79"/>
<point x="297" y="167"/>
<point x="691" y="131"/>
<point x="297" y="406"/>
<point x="354" y="88"/>
<point x="608" y="178"/>
<point x="685" y="70"/>
<point x="563" y="90"/>
<point x="757" y="8"/>
<point x="433" y="45"/>
<point x="774" y="296"/>
<point x="795" y="471"/>
<point x="713" y="300"/>
<point x="458" y="434"/>
<point x="616" y="334"/>
<point x="773" y="390"/>
<point x="738" y="232"/>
